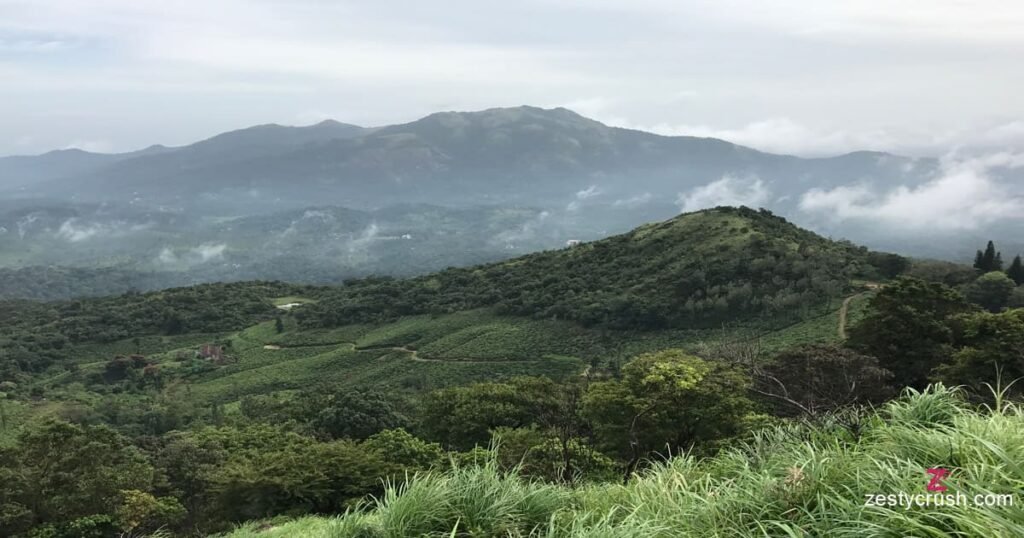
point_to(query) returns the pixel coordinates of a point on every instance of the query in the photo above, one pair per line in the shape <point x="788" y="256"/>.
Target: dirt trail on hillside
<point x="844" y="310"/>
<point x="414" y="355"/>
<point x="842" y="316"/>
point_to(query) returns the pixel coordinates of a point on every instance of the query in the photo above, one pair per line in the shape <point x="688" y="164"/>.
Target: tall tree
<point x="990" y="260"/>
<point x="991" y="351"/>
<point x="1016" y="271"/>
<point x="979" y="261"/>
<point x="907" y="329"/>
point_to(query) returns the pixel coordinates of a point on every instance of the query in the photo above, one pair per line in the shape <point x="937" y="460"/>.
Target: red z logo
<point x="938" y="474"/>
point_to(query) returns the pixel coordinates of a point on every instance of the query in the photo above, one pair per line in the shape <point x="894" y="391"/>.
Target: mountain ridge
<point x="523" y="155"/>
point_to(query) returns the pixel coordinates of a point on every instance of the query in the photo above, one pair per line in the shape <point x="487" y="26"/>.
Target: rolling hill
<point x="723" y="273"/>
<point x="697" y="269"/>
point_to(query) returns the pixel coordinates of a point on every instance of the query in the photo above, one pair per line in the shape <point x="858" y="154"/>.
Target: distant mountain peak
<point x="332" y="123"/>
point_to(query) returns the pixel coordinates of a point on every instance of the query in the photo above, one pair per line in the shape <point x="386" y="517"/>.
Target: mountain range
<point x="525" y="154"/>
<point x="552" y="160"/>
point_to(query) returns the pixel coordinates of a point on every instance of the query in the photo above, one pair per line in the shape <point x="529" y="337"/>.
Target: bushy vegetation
<point x="789" y="480"/>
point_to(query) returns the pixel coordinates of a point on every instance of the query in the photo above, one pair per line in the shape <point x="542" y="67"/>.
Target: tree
<point x="401" y="448"/>
<point x="1016" y="271"/>
<point x="818" y="378"/>
<point x="58" y="473"/>
<point x="888" y="265"/>
<point x="357" y="415"/>
<point x="303" y="477"/>
<point x="907" y="329"/>
<point x="948" y="273"/>
<point x="988" y="261"/>
<point x="668" y="401"/>
<point x="991" y="291"/>
<point x="535" y="453"/>
<point x="278" y="325"/>
<point x="463" y="417"/>
<point x="992" y="344"/>
<point x="1016" y="299"/>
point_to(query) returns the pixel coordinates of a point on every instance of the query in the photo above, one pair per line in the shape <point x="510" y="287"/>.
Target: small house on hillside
<point x="212" y="352"/>
<point x="573" y="243"/>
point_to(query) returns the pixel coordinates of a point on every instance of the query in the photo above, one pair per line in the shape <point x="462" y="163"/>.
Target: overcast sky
<point x="809" y="77"/>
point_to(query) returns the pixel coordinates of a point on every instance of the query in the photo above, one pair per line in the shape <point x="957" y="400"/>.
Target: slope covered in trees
<point x="698" y="269"/>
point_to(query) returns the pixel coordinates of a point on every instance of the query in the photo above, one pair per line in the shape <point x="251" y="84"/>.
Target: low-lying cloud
<point x="75" y="230"/>
<point x="729" y="190"/>
<point x="71" y="230"/>
<point x="582" y="195"/>
<point x="965" y="195"/>
<point x="209" y="251"/>
<point x="206" y="252"/>
<point x="528" y="231"/>
<point x="365" y="239"/>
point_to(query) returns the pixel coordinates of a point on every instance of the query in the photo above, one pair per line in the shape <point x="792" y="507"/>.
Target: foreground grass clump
<point x="788" y="481"/>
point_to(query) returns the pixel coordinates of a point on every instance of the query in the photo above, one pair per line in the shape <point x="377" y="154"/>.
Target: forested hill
<point x="698" y="269"/>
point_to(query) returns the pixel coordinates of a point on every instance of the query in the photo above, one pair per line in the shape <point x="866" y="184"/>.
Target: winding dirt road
<point x="871" y="286"/>
<point x="842" y="316"/>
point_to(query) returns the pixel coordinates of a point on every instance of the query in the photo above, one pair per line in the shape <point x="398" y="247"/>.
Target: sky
<point x="807" y="77"/>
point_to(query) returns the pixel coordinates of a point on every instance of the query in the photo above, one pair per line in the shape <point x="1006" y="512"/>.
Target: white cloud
<point x="793" y="76"/>
<point x="71" y="230"/>
<point x="32" y="45"/>
<point x="209" y="251"/>
<point x="634" y="201"/>
<point x="364" y="240"/>
<point x="965" y="196"/>
<point x="582" y="195"/>
<point x="527" y="232"/>
<point x="729" y="190"/>
<point x="167" y="256"/>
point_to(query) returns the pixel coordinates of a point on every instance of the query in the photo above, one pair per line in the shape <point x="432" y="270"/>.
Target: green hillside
<point x="715" y="275"/>
<point x="696" y="270"/>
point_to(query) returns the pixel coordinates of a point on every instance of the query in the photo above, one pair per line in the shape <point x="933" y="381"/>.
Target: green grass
<point x="788" y="481"/>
